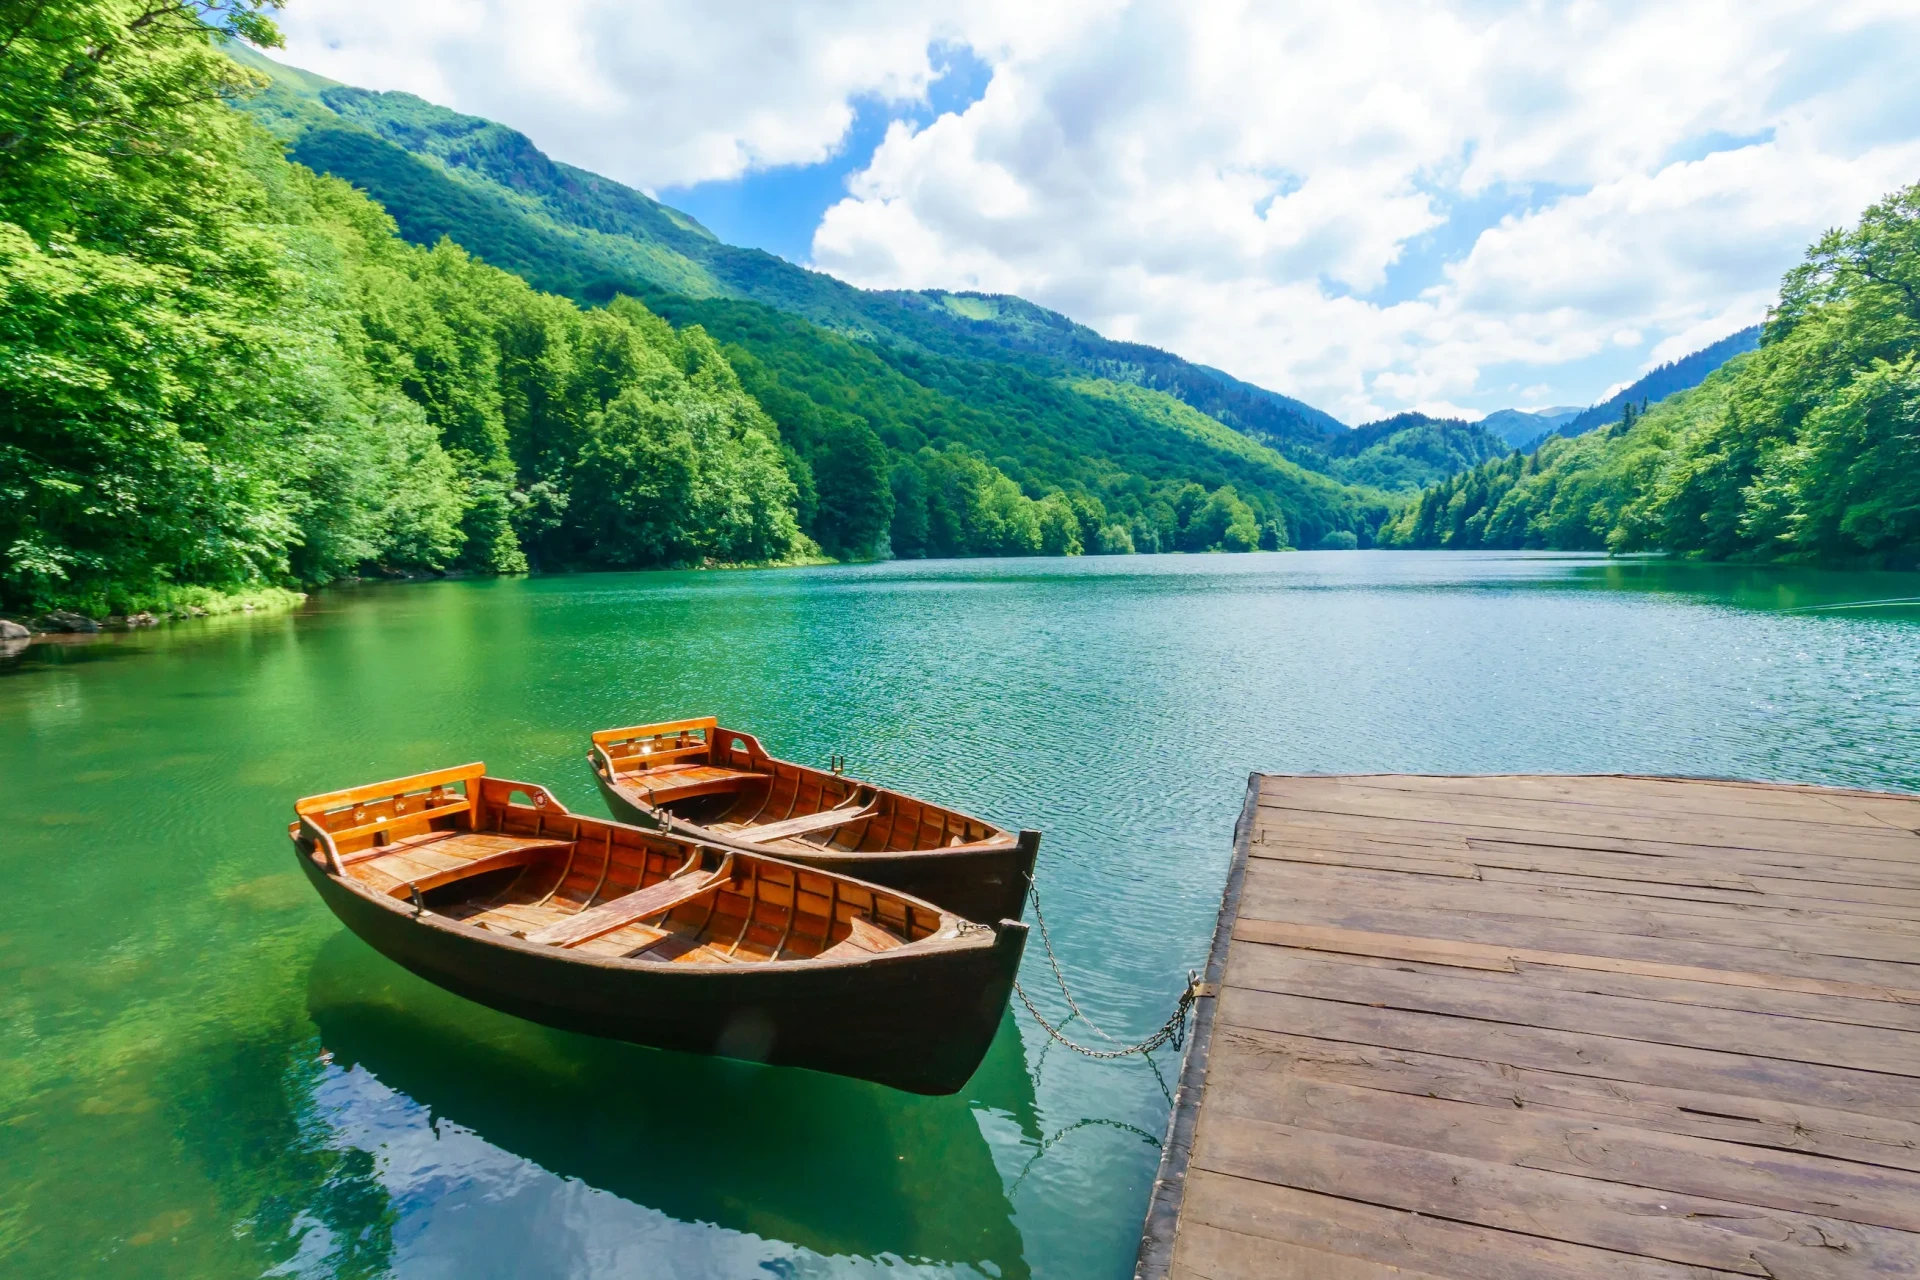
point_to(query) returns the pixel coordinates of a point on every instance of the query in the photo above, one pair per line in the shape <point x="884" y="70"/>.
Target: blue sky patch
<point x="1423" y="259"/>
<point x="778" y="209"/>
<point x="1706" y="144"/>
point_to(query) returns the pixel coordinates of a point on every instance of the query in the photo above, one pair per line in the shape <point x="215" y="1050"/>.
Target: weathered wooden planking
<point x="1748" y="903"/>
<point x="1333" y="1228"/>
<point x="1496" y="901"/>
<point x="1515" y="1027"/>
<point x="1331" y="796"/>
<point x="1416" y="920"/>
<point x="1753" y="1122"/>
<point x="1583" y="1147"/>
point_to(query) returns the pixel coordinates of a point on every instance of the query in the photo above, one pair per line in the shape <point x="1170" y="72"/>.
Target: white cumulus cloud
<point x="1369" y="204"/>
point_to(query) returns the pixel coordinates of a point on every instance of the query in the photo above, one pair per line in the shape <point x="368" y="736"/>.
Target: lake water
<point x="202" y="1075"/>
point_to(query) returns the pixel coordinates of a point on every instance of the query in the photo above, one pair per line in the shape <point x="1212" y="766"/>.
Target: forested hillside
<point x="1408" y="451"/>
<point x="221" y="372"/>
<point x="1658" y="384"/>
<point x="868" y="420"/>
<point x="1806" y="449"/>
<point x="861" y="382"/>
<point x="574" y="232"/>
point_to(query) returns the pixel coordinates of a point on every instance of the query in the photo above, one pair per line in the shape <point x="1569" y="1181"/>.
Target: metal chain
<point x="1046" y="941"/>
<point x="1173" y="1031"/>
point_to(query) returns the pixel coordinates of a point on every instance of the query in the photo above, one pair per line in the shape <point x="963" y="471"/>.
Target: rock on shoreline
<point x="60" y="621"/>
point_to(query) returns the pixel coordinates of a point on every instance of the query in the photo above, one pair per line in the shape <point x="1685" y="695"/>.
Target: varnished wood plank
<point x="466" y="773"/>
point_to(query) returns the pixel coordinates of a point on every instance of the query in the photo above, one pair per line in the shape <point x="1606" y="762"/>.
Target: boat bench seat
<point x="655" y="899"/>
<point x="436" y="858"/>
<point x="807" y="825"/>
<point x="681" y="781"/>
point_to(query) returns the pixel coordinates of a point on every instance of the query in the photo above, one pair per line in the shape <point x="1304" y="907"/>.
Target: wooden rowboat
<point x="698" y="779"/>
<point x="493" y="890"/>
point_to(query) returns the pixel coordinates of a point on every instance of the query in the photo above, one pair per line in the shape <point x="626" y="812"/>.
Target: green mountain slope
<point x="1128" y="455"/>
<point x="1406" y="452"/>
<point x="862" y="384"/>
<point x="1675" y="375"/>
<point x="577" y="233"/>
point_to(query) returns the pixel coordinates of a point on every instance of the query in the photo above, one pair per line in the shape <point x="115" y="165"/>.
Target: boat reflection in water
<point x="828" y="1165"/>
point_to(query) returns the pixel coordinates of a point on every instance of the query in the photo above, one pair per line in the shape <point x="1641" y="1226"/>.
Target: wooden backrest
<point x="643" y="746"/>
<point x="400" y="805"/>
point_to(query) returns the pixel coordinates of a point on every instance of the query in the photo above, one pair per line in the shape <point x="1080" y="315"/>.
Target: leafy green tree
<point x="1059" y="526"/>
<point x="856" y="504"/>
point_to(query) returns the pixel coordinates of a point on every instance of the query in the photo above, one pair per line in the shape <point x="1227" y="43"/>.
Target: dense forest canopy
<point x="223" y="370"/>
<point x="220" y="370"/>
<point x="1806" y="450"/>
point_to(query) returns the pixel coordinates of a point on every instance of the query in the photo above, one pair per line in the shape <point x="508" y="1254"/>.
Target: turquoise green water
<point x="201" y="1075"/>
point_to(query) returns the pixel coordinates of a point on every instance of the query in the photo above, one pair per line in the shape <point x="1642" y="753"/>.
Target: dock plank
<point x="1499" y="1028"/>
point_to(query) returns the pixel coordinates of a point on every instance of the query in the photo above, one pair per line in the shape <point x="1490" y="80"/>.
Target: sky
<point x="1454" y="206"/>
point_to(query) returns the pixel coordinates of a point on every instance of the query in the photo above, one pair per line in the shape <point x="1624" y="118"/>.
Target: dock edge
<point x="1155" y="1259"/>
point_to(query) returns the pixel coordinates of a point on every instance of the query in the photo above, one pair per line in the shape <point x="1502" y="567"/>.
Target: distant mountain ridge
<point x="1521" y="427"/>
<point x="1679" y="375"/>
<point x="1410" y="451"/>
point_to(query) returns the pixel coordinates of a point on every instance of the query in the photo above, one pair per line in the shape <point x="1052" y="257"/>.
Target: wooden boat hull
<point x="919" y="1021"/>
<point x="977" y="882"/>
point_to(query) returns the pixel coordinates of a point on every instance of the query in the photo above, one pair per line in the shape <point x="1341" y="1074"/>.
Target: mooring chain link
<point x="1046" y="941"/>
<point x="1172" y="1032"/>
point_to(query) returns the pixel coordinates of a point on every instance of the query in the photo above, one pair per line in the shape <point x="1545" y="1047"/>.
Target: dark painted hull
<point x="920" y="1022"/>
<point x="975" y="883"/>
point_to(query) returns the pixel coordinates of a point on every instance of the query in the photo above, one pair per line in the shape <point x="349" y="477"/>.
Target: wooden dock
<point x="1516" y="1027"/>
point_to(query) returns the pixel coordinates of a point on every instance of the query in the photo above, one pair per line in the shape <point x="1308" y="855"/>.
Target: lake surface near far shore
<point x="202" y="1075"/>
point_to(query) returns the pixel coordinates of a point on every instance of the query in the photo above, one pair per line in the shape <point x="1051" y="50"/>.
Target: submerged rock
<point x="61" y="620"/>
